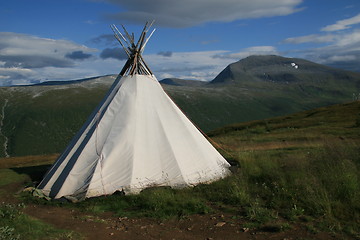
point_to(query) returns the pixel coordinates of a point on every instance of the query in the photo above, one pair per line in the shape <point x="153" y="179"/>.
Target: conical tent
<point x="136" y="138"/>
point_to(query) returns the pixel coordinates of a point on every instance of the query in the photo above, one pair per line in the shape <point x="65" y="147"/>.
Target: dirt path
<point x="207" y="227"/>
<point x="196" y="227"/>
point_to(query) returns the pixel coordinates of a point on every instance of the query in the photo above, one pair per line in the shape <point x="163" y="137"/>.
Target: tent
<point x="136" y="138"/>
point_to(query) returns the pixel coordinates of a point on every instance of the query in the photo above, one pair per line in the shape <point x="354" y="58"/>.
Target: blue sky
<point x="43" y="40"/>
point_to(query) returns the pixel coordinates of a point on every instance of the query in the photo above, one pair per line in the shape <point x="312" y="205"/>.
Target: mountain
<point x="69" y="82"/>
<point x="182" y="82"/>
<point x="42" y="119"/>
<point x="276" y="69"/>
<point x="259" y="87"/>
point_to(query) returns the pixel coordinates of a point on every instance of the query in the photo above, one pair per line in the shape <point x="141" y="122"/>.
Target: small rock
<point x="122" y="218"/>
<point x="220" y="224"/>
<point x="189" y="228"/>
<point x="245" y="229"/>
<point x="29" y="189"/>
<point x="111" y="234"/>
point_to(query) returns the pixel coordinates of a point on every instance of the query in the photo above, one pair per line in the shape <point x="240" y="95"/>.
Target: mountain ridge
<point x="277" y="69"/>
<point x="41" y="119"/>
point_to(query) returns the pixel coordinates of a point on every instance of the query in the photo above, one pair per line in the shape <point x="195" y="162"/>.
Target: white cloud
<point x="256" y="50"/>
<point x="15" y="76"/>
<point x="339" y="38"/>
<point x="313" y="38"/>
<point x="349" y="40"/>
<point x="202" y="65"/>
<point x="27" y="51"/>
<point x="340" y="48"/>
<point x="342" y="24"/>
<point x="165" y="75"/>
<point x="343" y="52"/>
<point x="188" y="13"/>
<point x="187" y="65"/>
<point x="346" y="41"/>
<point x="84" y="69"/>
<point x="24" y="58"/>
<point x="199" y="75"/>
<point x="343" y="58"/>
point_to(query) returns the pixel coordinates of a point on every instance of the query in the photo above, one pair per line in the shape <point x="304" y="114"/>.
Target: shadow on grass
<point x="36" y="173"/>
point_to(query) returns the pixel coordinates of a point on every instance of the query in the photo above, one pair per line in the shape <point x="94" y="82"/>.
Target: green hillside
<point x="295" y="176"/>
<point x="260" y="87"/>
<point x="303" y="167"/>
<point x="42" y="119"/>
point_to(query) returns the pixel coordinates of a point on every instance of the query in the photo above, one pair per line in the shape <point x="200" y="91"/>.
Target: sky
<point x="47" y="40"/>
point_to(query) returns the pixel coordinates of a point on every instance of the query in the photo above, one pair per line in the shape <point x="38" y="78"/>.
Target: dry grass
<point x="27" y="161"/>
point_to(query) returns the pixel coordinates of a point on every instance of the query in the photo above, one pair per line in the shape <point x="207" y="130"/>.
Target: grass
<point x="15" y="225"/>
<point x="27" y="161"/>
<point x="297" y="169"/>
<point x="319" y="188"/>
<point x="159" y="203"/>
<point x="8" y="176"/>
<point x="303" y="166"/>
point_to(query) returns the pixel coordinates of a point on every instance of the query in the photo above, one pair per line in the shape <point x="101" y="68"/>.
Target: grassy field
<point x="302" y="167"/>
<point x="14" y="223"/>
<point x="297" y="170"/>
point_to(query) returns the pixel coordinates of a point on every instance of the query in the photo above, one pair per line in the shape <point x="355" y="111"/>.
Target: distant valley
<point x="42" y="119"/>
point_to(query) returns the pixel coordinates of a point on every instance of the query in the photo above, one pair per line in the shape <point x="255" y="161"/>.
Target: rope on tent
<point x="96" y="134"/>
<point x="98" y="153"/>
<point x="101" y="176"/>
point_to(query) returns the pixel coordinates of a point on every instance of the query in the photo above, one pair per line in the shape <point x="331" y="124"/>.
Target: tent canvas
<point x="136" y="138"/>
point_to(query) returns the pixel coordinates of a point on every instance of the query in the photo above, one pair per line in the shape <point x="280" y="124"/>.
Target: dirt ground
<point x="207" y="227"/>
<point x="195" y="227"/>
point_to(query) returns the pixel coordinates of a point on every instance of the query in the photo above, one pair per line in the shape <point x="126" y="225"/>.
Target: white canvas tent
<point x="136" y="138"/>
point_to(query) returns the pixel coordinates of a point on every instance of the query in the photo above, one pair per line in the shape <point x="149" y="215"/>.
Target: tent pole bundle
<point x="136" y="138"/>
<point x="135" y="63"/>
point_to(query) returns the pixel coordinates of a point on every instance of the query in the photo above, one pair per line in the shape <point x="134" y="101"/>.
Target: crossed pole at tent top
<point x="135" y="63"/>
